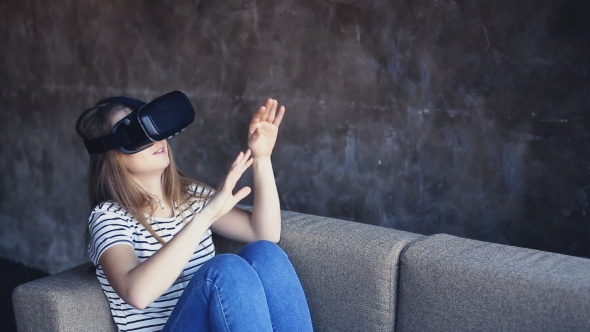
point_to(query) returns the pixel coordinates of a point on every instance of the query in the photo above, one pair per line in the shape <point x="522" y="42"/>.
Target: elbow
<point x="277" y="236"/>
<point x="139" y="304"/>
<point x="274" y="238"/>
<point x="137" y="299"/>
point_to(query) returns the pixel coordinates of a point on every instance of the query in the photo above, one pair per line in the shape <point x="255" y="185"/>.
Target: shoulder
<point x="200" y="190"/>
<point x="109" y="211"/>
<point x="197" y="196"/>
<point x="110" y="207"/>
<point x="108" y="224"/>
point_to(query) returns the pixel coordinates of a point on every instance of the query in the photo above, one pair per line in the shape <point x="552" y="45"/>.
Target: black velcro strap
<point x="108" y="142"/>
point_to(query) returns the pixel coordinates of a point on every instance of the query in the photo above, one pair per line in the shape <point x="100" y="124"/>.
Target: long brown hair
<point x="109" y="179"/>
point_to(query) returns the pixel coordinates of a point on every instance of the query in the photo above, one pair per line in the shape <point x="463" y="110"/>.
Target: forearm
<point x="150" y="279"/>
<point x="266" y="209"/>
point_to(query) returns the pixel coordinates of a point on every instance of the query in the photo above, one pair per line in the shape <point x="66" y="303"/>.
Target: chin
<point x="161" y="165"/>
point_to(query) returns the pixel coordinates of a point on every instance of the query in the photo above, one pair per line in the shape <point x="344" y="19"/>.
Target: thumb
<point x="254" y="135"/>
<point x="242" y="193"/>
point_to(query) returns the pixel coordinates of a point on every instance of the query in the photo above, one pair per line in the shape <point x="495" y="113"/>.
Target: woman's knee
<point x="226" y="261"/>
<point x="228" y="266"/>
<point x="261" y="246"/>
<point x="263" y="251"/>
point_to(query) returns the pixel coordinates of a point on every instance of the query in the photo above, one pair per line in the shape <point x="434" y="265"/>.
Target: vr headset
<point x="161" y="118"/>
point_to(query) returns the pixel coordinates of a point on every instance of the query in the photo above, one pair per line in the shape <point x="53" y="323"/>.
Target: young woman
<point x="150" y="237"/>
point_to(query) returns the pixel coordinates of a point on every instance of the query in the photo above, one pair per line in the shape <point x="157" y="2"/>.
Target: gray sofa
<point x="359" y="277"/>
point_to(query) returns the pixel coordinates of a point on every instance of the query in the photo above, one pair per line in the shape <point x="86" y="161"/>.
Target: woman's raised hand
<point x="224" y="199"/>
<point x="264" y="128"/>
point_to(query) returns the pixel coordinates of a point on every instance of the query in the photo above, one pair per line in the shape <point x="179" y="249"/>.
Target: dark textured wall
<point x="464" y="117"/>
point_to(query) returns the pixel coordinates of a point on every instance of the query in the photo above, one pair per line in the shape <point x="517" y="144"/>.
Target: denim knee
<point x="224" y="292"/>
<point x="230" y="266"/>
<point x="225" y="261"/>
<point x="264" y="252"/>
<point x="262" y="246"/>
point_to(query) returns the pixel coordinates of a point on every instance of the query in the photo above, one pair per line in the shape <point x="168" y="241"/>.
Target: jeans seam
<point x="220" y="305"/>
<point x="173" y="326"/>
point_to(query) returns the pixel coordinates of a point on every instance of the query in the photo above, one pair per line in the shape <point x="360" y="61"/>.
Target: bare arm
<point x="265" y="221"/>
<point x="141" y="283"/>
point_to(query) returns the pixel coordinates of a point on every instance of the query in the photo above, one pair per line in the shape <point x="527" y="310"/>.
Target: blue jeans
<point x="256" y="290"/>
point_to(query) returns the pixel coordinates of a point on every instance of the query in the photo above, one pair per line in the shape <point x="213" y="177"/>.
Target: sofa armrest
<point x="348" y="270"/>
<point x="68" y="301"/>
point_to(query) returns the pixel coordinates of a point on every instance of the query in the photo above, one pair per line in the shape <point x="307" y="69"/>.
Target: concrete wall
<point x="464" y="117"/>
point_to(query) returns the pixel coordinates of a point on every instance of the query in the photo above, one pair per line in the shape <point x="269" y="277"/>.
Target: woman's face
<point x="151" y="161"/>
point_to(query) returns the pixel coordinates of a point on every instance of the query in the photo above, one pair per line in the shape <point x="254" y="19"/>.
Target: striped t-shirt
<point x="110" y="224"/>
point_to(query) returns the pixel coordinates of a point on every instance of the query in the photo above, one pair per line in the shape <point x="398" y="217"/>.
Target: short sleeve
<point x="204" y="194"/>
<point x="201" y="191"/>
<point x="107" y="229"/>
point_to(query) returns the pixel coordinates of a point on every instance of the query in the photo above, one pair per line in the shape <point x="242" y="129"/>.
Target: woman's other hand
<point x="224" y="199"/>
<point x="264" y="129"/>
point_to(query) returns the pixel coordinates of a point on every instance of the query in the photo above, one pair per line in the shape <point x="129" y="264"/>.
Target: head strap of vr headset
<point x="117" y="139"/>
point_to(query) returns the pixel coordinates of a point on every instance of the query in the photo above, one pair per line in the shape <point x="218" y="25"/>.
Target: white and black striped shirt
<point x="110" y="224"/>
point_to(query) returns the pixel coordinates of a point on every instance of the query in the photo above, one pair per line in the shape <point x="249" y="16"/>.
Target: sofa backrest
<point x="449" y="283"/>
<point x="359" y="277"/>
<point x="349" y="270"/>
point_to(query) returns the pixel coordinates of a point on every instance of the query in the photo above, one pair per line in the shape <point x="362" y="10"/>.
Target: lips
<point x="160" y="151"/>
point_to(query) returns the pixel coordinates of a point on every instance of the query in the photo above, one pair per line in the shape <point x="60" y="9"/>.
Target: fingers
<point x="279" y="117"/>
<point x="240" y="157"/>
<point x="241" y="194"/>
<point x="224" y="199"/>
<point x="256" y="118"/>
<point x="272" y="110"/>
<point x="241" y="164"/>
<point x="260" y="116"/>
<point x="267" y="113"/>
<point x="245" y="161"/>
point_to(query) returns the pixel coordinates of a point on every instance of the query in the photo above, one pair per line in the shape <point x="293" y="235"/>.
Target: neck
<point x="152" y="184"/>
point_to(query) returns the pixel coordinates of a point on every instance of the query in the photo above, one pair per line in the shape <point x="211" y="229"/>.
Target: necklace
<point x="160" y="203"/>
